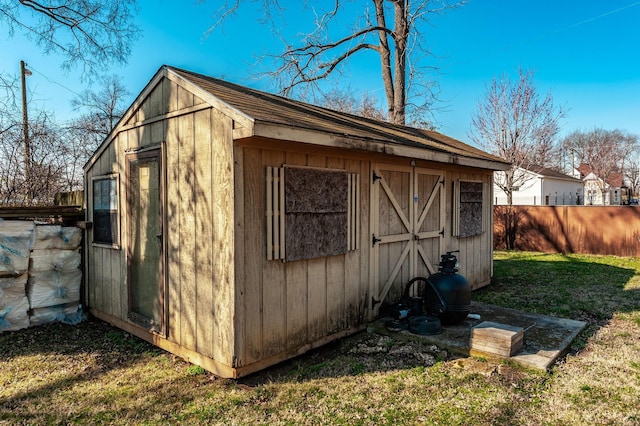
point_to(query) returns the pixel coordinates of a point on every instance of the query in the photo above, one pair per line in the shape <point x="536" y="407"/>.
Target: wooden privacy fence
<point x="610" y="230"/>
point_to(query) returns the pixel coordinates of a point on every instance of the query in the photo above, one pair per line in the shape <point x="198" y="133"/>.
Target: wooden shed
<point x="237" y="229"/>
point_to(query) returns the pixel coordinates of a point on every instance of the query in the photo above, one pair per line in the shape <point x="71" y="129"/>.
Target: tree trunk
<point x="385" y="58"/>
<point x="401" y="31"/>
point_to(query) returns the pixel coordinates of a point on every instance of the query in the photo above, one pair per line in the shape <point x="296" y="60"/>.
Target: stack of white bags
<point x="40" y="274"/>
<point x="16" y="239"/>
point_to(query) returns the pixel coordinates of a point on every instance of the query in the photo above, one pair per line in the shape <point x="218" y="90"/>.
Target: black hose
<point x="435" y="290"/>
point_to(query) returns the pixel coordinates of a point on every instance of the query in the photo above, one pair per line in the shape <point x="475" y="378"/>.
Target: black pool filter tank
<point x="448" y="288"/>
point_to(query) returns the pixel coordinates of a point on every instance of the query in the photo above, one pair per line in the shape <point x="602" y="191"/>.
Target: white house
<point x="615" y="190"/>
<point x="540" y="186"/>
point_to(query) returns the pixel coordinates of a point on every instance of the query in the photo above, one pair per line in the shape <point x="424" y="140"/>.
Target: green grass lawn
<point x="95" y="374"/>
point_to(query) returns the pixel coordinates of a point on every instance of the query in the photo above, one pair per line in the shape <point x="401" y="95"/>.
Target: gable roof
<point x="261" y="114"/>
<point x="550" y="173"/>
<point x="267" y="109"/>
<point x="615" y="179"/>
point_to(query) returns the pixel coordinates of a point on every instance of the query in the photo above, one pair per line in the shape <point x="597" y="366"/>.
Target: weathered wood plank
<point x="361" y="293"/>
<point x="317" y="280"/>
<point x="204" y="220"/>
<point x="238" y="323"/>
<point x="172" y="214"/>
<point x="223" y="230"/>
<point x="335" y="277"/>
<point x="274" y="293"/>
<point x="153" y="104"/>
<point x="185" y="98"/>
<point x="297" y="286"/>
<point x="187" y="234"/>
<point x="254" y="243"/>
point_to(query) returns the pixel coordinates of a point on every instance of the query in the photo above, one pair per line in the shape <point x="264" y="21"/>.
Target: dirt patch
<point x="365" y="351"/>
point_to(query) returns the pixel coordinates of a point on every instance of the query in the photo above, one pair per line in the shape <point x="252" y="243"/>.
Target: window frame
<point x="117" y="237"/>
<point x="457" y="208"/>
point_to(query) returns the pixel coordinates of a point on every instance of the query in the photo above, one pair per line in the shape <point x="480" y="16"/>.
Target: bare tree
<point x="47" y="162"/>
<point x="345" y="101"/>
<point x="56" y="154"/>
<point x="93" y="33"/>
<point x="516" y="124"/>
<point x="632" y="173"/>
<point x="394" y="30"/>
<point x="101" y="109"/>
<point x="606" y="152"/>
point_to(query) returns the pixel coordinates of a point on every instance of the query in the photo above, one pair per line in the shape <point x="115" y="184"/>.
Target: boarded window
<point x="468" y="205"/>
<point x="310" y="213"/>
<point x="105" y="210"/>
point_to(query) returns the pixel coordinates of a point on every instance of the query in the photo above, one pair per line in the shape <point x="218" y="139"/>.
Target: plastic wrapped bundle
<point x="13" y="284"/>
<point x="70" y="313"/>
<point x="50" y="288"/>
<point x="16" y="240"/>
<point x="57" y="237"/>
<point x="54" y="260"/>
<point x="14" y="313"/>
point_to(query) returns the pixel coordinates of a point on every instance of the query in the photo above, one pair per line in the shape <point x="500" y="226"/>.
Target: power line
<point x="50" y="80"/>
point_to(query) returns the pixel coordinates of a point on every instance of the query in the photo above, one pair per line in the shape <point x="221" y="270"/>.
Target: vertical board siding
<point x="200" y="233"/>
<point x="287" y="305"/>
<point x="475" y="252"/>
<point x="199" y="211"/>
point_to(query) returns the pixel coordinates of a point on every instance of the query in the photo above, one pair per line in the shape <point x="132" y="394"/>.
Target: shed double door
<point x="408" y="219"/>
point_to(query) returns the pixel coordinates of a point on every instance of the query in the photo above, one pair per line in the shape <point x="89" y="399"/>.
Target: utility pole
<point x="25" y="130"/>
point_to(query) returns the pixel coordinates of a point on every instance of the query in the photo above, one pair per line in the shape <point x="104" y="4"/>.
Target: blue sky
<point x="585" y="52"/>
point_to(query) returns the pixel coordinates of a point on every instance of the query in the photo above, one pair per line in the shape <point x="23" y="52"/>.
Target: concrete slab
<point x="546" y="338"/>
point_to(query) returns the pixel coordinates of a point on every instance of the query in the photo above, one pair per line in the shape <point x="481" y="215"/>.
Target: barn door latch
<point x="441" y="232"/>
<point x="374" y="240"/>
<point x="376" y="177"/>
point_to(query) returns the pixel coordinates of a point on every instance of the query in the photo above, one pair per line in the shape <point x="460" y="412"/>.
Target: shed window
<point x="311" y="212"/>
<point x="468" y="207"/>
<point x="105" y="210"/>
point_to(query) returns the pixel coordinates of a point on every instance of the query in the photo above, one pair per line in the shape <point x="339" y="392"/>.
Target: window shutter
<point x="275" y="213"/>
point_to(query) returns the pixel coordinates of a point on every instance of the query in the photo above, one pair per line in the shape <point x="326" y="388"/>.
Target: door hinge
<point x="442" y="182"/>
<point x="376" y="177"/>
<point x="374" y="240"/>
<point x="441" y="232"/>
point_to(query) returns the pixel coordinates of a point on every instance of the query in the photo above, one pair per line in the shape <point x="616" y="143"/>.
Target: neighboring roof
<point x="584" y="170"/>
<point x="273" y="110"/>
<point x="550" y="173"/>
<point x="614" y="180"/>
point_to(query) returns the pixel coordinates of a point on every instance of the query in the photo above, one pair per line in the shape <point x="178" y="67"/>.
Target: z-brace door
<point x="407" y="220"/>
